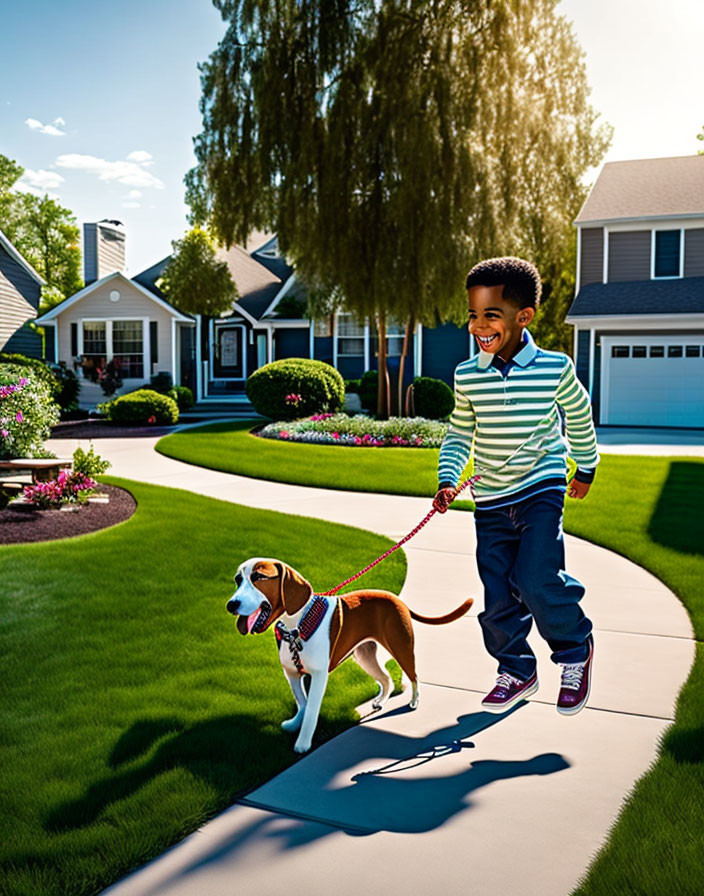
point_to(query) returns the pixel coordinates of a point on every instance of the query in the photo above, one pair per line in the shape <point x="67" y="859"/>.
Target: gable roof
<point x="685" y="296"/>
<point x="256" y="284"/>
<point x="19" y="258"/>
<point x="116" y="275"/>
<point x="646" y="188"/>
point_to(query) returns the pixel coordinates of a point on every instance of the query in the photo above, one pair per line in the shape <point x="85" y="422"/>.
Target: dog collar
<point x="307" y="627"/>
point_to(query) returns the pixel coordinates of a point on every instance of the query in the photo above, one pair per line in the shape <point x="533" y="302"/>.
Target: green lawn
<point x="648" y="509"/>
<point x="129" y="699"/>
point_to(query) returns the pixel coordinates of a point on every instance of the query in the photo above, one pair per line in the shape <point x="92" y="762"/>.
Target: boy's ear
<point x="525" y="316"/>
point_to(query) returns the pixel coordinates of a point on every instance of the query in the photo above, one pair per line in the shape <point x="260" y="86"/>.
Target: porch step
<point x="235" y="407"/>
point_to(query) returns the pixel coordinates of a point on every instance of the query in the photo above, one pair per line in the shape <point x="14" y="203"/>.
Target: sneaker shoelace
<point x="505" y="681"/>
<point x="572" y="675"/>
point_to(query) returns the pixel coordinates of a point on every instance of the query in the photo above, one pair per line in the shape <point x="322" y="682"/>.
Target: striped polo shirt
<point x="514" y="423"/>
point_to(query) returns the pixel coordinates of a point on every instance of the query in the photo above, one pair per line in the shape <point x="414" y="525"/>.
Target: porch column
<point x="418" y="351"/>
<point x="199" y="364"/>
<point x="366" y="346"/>
<point x="269" y="345"/>
<point x="592" y="343"/>
<point x="311" y="340"/>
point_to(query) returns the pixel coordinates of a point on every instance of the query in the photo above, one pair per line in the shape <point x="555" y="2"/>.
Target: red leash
<point x="468" y="482"/>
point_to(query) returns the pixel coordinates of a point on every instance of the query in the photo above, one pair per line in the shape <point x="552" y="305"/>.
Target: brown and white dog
<point x="316" y="633"/>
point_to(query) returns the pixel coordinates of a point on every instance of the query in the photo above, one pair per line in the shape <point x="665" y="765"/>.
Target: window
<point x="639" y="351"/>
<point x="394" y="339"/>
<point x="94" y="346"/>
<point x="675" y="351"/>
<point x="657" y="351"/>
<point x="667" y="253"/>
<point x="692" y="351"/>
<point x="121" y="340"/>
<point x="127" y="348"/>
<point x="620" y="351"/>
<point x="350" y="336"/>
<point x="322" y="327"/>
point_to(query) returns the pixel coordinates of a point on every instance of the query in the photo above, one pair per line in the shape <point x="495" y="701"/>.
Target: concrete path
<point x="445" y="799"/>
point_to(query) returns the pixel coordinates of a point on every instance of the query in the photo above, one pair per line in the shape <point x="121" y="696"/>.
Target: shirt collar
<point x="522" y="358"/>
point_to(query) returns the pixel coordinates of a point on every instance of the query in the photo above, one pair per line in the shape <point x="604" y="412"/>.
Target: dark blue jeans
<point x="521" y="560"/>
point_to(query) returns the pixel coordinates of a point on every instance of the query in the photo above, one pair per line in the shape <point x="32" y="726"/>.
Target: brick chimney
<point x="103" y="249"/>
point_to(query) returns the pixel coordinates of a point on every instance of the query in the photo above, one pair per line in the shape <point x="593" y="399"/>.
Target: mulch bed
<point x="19" y="523"/>
<point x="100" y="429"/>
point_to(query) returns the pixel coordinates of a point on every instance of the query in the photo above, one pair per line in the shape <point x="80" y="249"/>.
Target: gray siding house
<point x="20" y="289"/>
<point x="638" y="314"/>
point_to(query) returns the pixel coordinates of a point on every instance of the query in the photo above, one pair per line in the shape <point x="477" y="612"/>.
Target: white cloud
<point x="36" y="125"/>
<point x="134" y="194"/>
<point x="59" y="122"/>
<point x="21" y="187"/>
<point x="124" y="172"/>
<point x="42" y="179"/>
<point x="131" y="204"/>
<point x="141" y="156"/>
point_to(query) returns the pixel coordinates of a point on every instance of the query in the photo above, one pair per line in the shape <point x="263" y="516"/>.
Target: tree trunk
<point x="382" y="403"/>
<point x="410" y="324"/>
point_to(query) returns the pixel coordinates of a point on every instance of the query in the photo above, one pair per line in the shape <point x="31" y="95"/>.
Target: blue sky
<point x="100" y="100"/>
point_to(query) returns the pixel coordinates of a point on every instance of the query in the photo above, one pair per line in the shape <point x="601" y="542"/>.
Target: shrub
<point x="27" y="412"/>
<point x="369" y="390"/>
<point x="183" y="397"/>
<point x="141" y="407"/>
<point x="68" y="386"/>
<point x="161" y="382"/>
<point x="352" y="386"/>
<point x="88" y="462"/>
<point x="432" y="398"/>
<point x="360" y="430"/>
<point x="295" y="387"/>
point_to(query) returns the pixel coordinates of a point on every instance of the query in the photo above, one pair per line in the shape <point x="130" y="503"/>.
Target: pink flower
<point x="357" y="440"/>
<point x="419" y="441"/>
<point x="152" y="419"/>
<point x="293" y="398"/>
<point x="18" y="417"/>
<point x="335" y="435"/>
<point x="4" y="433"/>
<point x="283" y="434"/>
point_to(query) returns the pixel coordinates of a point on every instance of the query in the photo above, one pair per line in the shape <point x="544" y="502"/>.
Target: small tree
<point x="194" y="280"/>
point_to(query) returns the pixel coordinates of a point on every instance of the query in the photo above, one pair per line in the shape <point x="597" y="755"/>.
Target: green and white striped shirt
<point x="514" y="424"/>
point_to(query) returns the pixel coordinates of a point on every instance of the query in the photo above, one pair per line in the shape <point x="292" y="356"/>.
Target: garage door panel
<point x="654" y="391"/>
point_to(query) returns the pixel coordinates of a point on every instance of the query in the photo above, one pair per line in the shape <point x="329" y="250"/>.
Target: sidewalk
<point x="444" y="799"/>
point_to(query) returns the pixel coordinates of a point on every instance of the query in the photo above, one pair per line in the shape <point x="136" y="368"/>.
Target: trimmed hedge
<point x="142" y="407"/>
<point x="369" y="390"/>
<point x="295" y="387"/>
<point x="183" y="397"/>
<point x="432" y="398"/>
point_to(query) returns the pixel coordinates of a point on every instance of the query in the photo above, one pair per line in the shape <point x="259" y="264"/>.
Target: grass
<point x="129" y="699"/>
<point x="648" y="509"/>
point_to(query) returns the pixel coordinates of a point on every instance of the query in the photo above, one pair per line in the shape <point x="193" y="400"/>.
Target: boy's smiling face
<point x="497" y="323"/>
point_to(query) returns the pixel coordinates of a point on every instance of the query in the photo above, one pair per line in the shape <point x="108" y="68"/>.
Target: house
<point x="638" y="314"/>
<point x="130" y="318"/>
<point x="20" y="289"/>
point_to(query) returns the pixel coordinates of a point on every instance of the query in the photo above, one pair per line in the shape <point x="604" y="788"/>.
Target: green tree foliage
<point x="44" y="232"/>
<point x="194" y="280"/>
<point x="393" y="143"/>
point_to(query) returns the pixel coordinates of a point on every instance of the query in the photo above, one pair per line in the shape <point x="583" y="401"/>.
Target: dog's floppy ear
<point x="294" y="589"/>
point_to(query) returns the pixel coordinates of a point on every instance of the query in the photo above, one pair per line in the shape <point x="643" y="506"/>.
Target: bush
<point x="88" y="462"/>
<point x="161" y="382"/>
<point x="295" y="387"/>
<point x="68" y="386"/>
<point x="432" y="398"/>
<point x="369" y="390"/>
<point x="27" y="411"/>
<point x="142" y="407"/>
<point x="360" y="430"/>
<point x="352" y="386"/>
<point x="183" y="397"/>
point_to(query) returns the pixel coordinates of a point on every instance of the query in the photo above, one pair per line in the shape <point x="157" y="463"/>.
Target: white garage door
<point x="653" y="380"/>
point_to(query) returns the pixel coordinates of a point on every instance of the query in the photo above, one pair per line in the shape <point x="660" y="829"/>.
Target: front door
<point x="228" y="363"/>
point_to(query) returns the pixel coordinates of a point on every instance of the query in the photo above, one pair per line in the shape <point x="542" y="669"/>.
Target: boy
<point x="510" y="400"/>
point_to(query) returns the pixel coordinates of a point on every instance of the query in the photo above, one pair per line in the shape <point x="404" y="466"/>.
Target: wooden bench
<point x="41" y="468"/>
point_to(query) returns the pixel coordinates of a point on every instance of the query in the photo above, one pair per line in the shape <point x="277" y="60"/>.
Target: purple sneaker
<point x="508" y="692"/>
<point x="575" y="685"/>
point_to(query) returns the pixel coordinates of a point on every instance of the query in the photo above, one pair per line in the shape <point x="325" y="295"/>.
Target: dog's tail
<point x="442" y="620"/>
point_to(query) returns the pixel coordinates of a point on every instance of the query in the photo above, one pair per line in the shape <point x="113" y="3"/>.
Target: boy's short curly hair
<point x="520" y="279"/>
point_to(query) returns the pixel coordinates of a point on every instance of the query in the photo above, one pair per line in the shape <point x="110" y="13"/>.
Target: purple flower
<point x="4" y="433"/>
<point x="19" y="417"/>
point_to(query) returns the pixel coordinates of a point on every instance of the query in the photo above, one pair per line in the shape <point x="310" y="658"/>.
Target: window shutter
<point x="74" y="340"/>
<point x="154" y="340"/>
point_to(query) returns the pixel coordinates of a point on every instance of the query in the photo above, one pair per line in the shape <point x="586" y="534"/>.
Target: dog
<point x="315" y="633"/>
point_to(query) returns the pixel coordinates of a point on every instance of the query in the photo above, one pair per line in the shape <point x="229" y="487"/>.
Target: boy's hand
<point x="443" y="499"/>
<point x="576" y="489"/>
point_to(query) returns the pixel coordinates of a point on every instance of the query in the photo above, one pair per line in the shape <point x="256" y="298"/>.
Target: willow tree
<point x="379" y="139"/>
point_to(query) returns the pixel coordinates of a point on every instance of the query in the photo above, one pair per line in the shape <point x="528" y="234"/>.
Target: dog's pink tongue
<point x="251" y="620"/>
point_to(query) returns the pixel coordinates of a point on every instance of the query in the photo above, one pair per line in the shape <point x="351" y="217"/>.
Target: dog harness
<point x="307" y="627"/>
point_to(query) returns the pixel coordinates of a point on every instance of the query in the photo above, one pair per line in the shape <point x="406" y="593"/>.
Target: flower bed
<point x="359" y="431"/>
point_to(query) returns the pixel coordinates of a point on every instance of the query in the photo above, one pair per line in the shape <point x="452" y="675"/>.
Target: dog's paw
<point x="292" y="724"/>
<point x="302" y="746"/>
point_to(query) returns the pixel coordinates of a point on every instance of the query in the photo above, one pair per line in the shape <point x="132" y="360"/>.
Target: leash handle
<point x="468" y="482"/>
